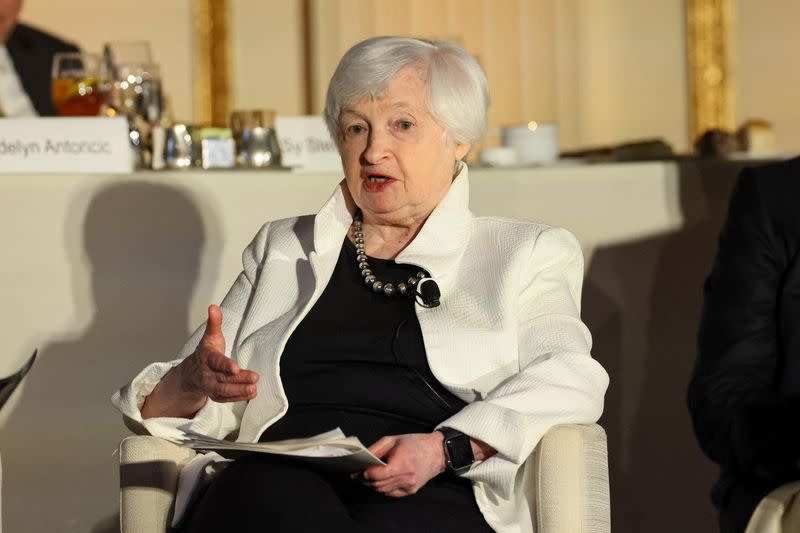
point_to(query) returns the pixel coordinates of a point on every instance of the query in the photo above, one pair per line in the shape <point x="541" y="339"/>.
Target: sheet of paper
<point x="331" y="450"/>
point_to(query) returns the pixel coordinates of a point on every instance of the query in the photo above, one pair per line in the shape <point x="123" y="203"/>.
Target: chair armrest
<point x="571" y="480"/>
<point x="148" y="478"/>
<point x="777" y="511"/>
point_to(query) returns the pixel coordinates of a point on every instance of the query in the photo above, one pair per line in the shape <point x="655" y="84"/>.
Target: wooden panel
<point x="568" y="100"/>
<point x="356" y="23"/>
<point x="465" y="20"/>
<point x="501" y="52"/>
<point x="268" y="56"/>
<point x="767" y="80"/>
<point x="709" y="24"/>
<point x="537" y="60"/>
<point x="391" y="17"/>
<point x="429" y="19"/>
<point x="514" y="41"/>
<point x="324" y="54"/>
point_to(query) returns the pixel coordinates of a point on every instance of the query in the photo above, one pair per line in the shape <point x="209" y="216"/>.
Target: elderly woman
<point x="446" y="342"/>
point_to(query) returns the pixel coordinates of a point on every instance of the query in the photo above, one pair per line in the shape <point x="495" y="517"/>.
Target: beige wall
<point x="766" y="77"/>
<point x="268" y="56"/>
<point x="514" y="40"/>
<point x="622" y="73"/>
<point x="606" y="70"/>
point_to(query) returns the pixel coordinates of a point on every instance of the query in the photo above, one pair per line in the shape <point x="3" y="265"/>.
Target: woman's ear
<point x="462" y="150"/>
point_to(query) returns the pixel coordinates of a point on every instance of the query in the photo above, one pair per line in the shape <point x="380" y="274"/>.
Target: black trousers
<point x="267" y="494"/>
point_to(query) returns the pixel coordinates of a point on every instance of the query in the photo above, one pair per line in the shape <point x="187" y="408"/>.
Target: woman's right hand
<point x="206" y="373"/>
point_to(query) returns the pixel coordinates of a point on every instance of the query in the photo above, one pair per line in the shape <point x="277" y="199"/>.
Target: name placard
<point x="306" y="144"/>
<point x="65" y="144"/>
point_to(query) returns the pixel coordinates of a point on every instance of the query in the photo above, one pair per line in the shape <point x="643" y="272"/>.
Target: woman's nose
<point x="377" y="147"/>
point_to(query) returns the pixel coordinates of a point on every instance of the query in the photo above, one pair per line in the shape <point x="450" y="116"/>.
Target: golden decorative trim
<point x="709" y="26"/>
<point x="211" y="62"/>
<point x="308" y="52"/>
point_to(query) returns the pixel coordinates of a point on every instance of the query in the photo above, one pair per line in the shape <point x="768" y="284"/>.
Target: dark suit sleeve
<point x="739" y="416"/>
<point x="32" y="52"/>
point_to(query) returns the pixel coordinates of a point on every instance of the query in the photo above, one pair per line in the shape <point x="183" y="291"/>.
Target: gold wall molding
<point x="709" y="27"/>
<point x="212" y="62"/>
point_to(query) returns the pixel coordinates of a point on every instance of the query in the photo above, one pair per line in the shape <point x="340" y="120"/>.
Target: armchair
<point x="570" y="473"/>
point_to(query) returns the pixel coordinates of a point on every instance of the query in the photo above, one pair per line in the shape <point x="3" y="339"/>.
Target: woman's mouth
<point x="377" y="182"/>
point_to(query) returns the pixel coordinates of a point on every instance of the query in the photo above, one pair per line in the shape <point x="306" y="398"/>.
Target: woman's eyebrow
<point x="403" y="105"/>
<point x="350" y="111"/>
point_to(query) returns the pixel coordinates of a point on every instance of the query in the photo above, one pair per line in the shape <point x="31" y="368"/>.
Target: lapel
<point x="331" y="224"/>
<point x="267" y="341"/>
<point x="440" y="243"/>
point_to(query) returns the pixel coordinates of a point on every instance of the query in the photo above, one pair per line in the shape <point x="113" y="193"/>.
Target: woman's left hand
<point x="411" y="461"/>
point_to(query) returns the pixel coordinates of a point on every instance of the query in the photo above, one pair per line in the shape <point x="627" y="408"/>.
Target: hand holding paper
<point x="413" y="460"/>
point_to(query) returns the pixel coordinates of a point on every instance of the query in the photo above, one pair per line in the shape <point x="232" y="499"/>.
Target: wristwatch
<point x="457" y="450"/>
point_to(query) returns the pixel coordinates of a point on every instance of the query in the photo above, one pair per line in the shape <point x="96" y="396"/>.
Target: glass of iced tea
<point x="76" y="84"/>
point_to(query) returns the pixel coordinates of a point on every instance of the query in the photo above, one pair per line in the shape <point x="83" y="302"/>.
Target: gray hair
<point x="458" y="93"/>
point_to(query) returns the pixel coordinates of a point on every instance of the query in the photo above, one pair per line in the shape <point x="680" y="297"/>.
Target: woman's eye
<point x="355" y="129"/>
<point x="405" y="124"/>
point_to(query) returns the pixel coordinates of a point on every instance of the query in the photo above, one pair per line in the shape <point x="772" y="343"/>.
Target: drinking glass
<point x="118" y="53"/>
<point x="136" y="91"/>
<point x="255" y="138"/>
<point x="76" y="84"/>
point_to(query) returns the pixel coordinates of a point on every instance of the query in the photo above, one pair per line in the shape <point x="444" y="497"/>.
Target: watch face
<point x="459" y="452"/>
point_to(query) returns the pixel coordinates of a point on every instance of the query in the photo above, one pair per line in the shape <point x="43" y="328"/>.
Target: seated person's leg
<point x="267" y="494"/>
<point x="444" y="505"/>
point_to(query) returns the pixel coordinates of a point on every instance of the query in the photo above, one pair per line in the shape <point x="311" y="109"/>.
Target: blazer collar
<point x="439" y="244"/>
<point x="436" y="248"/>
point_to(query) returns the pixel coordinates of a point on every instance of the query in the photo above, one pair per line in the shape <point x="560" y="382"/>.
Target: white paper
<point x="332" y="450"/>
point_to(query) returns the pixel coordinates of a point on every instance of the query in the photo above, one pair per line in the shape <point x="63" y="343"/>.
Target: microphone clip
<point x="427" y="293"/>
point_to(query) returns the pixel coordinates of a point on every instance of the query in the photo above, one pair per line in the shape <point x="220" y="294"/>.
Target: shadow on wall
<point x="144" y="242"/>
<point x="642" y="302"/>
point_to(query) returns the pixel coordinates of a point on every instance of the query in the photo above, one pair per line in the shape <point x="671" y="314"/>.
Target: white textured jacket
<point x="507" y="337"/>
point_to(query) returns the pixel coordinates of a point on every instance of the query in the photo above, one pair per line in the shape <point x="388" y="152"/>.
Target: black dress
<point x="357" y="361"/>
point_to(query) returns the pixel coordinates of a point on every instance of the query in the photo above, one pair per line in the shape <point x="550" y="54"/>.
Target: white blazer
<point x="507" y="337"/>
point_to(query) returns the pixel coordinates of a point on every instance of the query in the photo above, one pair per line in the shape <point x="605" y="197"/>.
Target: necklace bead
<point x="370" y="280"/>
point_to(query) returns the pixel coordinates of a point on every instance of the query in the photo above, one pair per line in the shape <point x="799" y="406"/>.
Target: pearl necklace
<point x="389" y="289"/>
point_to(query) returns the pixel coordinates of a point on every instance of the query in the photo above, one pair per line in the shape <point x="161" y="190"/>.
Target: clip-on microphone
<point x="428" y="293"/>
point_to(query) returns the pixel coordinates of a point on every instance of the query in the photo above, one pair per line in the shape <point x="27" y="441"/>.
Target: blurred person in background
<point x="744" y="395"/>
<point x="26" y="63"/>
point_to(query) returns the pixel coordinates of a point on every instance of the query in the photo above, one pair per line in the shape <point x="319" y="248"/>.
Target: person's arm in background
<point x="739" y="416"/>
